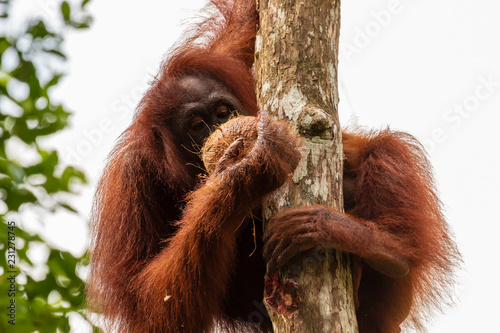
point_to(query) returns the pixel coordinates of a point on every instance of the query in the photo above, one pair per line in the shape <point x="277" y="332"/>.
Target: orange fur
<point x="172" y="255"/>
<point x="394" y="225"/>
<point x="194" y="269"/>
<point x="143" y="188"/>
<point x="395" y="190"/>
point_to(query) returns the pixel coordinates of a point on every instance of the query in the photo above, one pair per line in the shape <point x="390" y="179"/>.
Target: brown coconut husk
<point x="215" y="146"/>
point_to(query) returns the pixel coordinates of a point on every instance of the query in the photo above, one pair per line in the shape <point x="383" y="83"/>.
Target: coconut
<point x="244" y="127"/>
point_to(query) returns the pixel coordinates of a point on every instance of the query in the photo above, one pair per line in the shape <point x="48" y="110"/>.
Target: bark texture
<point x="296" y="71"/>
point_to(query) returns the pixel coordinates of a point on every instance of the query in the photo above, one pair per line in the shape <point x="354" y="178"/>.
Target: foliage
<point x="31" y="56"/>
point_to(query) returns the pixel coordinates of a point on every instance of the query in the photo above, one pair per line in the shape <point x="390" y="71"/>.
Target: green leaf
<point x="39" y="41"/>
<point x="4" y="44"/>
<point x="56" y="52"/>
<point x="38" y="29"/>
<point x="79" y="25"/>
<point x="52" y="82"/>
<point x="25" y="71"/>
<point x="66" y="10"/>
<point x="19" y="196"/>
<point x="68" y="207"/>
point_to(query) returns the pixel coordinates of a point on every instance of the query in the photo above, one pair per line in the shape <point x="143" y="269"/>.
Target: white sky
<point x="431" y="68"/>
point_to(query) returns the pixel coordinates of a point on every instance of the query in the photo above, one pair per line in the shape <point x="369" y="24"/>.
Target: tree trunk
<point x="296" y="71"/>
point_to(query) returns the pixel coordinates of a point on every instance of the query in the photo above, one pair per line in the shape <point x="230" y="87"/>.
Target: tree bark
<point x="296" y="71"/>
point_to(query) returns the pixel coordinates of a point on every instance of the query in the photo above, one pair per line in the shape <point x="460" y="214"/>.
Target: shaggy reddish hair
<point x="170" y="254"/>
<point x="142" y="190"/>
<point x="395" y="194"/>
